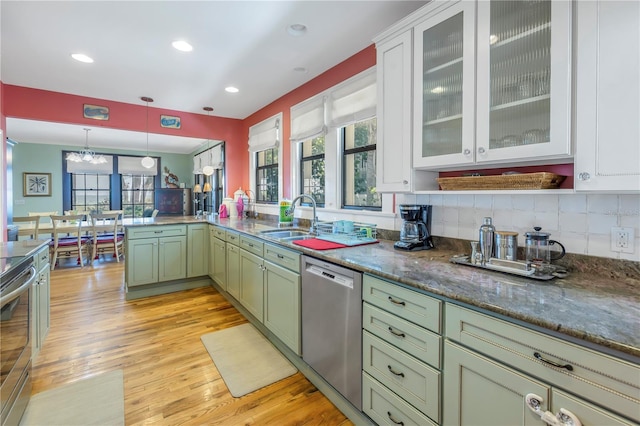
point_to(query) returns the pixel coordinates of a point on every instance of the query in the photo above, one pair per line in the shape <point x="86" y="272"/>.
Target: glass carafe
<point x="538" y="249"/>
<point x="413" y="231"/>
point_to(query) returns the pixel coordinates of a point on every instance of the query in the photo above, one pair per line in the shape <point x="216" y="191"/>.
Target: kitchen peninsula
<point x="583" y="312"/>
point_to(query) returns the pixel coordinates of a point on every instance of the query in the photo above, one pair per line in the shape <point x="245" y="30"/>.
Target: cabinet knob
<point x="584" y="176"/>
<point x="467" y="151"/>
<point x="481" y="150"/>
<point x="405" y="182"/>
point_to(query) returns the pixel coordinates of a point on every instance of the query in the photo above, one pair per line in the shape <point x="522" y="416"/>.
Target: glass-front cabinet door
<point x="523" y="80"/>
<point x="498" y="92"/>
<point x="444" y="87"/>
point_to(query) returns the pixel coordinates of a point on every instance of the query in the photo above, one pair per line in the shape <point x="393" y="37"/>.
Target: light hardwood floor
<point x="169" y="378"/>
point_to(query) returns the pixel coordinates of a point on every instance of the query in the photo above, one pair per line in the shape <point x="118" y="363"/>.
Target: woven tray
<point x="541" y="180"/>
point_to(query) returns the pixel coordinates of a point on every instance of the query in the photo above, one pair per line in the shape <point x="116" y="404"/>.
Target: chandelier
<point x="86" y="154"/>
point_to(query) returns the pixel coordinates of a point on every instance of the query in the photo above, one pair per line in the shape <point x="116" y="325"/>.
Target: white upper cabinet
<point x="607" y="96"/>
<point x="496" y="93"/>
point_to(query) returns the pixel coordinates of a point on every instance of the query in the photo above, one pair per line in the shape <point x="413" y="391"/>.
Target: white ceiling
<point x="239" y="43"/>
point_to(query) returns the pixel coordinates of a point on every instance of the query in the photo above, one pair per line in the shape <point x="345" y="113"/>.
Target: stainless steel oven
<point x="17" y="275"/>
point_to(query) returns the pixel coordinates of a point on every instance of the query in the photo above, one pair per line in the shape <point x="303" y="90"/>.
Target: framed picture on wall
<point x="36" y="184"/>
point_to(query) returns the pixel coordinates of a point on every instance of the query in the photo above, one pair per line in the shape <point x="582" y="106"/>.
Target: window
<point x="312" y="169"/>
<point x="359" y="166"/>
<point x="90" y="192"/>
<point x="267" y="175"/>
<point x="138" y="195"/>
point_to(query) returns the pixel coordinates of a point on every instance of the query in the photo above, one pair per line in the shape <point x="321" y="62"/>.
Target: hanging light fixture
<point x="86" y="154"/>
<point x="207" y="170"/>
<point x="147" y="162"/>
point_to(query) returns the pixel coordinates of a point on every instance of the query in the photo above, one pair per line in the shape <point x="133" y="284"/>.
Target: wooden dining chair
<point x="44" y="216"/>
<point x="27" y="225"/>
<point x="69" y="239"/>
<point x="106" y="237"/>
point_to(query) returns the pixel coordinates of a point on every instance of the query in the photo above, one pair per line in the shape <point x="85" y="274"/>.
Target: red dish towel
<point x="317" y="244"/>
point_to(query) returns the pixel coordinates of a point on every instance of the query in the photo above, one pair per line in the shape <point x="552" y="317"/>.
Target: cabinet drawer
<point x="414" y="381"/>
<point x="218" y="232"/>
<point x="232" y="237"/>
<point x="137" y="232"/>
<point x="417" y="341"/>
<point x="408" y="304"/>
<point x="386" y="408"/>
<point x="593" y="375"/>
<point x="41" y="258"/>
<point x="252" y="245"/>
<point x="281" y="256"/>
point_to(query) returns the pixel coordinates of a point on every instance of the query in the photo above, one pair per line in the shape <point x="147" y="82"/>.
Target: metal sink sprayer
<point x="314" y="221"/>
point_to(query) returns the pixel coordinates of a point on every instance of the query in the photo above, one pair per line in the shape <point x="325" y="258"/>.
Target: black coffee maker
<point x="414" y="233"/>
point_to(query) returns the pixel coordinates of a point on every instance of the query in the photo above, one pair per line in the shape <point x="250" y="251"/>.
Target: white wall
<point x="582" y="223"/>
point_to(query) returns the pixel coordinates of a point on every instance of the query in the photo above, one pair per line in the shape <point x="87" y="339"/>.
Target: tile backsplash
<point x="581" y="222"/>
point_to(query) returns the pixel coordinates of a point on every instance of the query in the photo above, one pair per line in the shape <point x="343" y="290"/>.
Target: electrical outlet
<point x="622" y="240"/>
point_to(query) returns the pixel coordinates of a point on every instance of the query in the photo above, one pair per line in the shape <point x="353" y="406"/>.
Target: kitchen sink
<point x="288" y="234"/>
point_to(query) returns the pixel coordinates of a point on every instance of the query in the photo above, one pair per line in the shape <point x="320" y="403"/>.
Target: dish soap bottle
<point x="486" y="240"/>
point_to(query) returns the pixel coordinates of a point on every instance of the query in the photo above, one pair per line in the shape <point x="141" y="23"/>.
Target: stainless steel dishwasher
<point x="332" y="325"/>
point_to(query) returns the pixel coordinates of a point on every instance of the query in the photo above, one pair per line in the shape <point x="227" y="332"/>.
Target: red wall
<point x="43" y="105"/>
<point x="357" y="63"/>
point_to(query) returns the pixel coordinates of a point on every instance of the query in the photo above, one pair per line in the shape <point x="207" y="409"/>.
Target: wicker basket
<point x="541" y="180"/>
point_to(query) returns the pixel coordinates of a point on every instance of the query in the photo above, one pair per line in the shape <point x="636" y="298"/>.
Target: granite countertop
<point x="22" y="248"/>
<point x="587" y="308"/>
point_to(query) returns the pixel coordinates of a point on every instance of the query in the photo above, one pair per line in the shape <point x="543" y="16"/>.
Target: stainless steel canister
<point x="506" y="245"/>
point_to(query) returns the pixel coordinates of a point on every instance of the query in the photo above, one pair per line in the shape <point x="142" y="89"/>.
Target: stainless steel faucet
<point x="314" y="221"/>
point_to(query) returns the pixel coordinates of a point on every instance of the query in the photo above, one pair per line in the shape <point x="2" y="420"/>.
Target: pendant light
<point x="147" y="162"/>
<point x="208" y="169"/>
<point x="86" y="154"/>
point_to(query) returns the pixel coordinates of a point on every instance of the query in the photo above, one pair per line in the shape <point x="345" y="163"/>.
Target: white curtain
<point x="216" y="160"/>
<point x="84" y="167"/>
<point x="307" y="119"/>
<point x="197" y="164"/>
<point x="133" y="166"/>
<point x="266" y="134"/>
<point x="354" y="100"/>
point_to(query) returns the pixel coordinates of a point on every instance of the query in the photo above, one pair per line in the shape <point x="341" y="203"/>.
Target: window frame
<point x="267" y="167"/>
<point x="342" y="131"/>
<point x="85" y="207"/>
<point x="302" y="160"/>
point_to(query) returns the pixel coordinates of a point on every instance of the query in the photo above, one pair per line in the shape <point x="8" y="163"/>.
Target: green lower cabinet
<point x="152" y="260"/>
<point x="142" y="261"/>
<point x="198" y="250"/>
<point x="480" y="392"/>
<point x="252" y="283"/>
<point x="220" y="263"/>
<point x="585" y="412"/>
<point x="282" y="305"/>
<point x="41" y="296"/>
<point x="233" y="270"/>
<point x="172" y="258"/>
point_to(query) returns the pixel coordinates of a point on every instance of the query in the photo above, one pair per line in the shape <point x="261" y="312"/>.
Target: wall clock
<point x="36" y="184"/>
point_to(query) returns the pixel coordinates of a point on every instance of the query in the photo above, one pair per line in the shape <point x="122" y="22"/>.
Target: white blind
<point x="133" y="166"/>
<point x="216" y="160"/>
<point x="266" y="134"/>
<point x="307" y="119"/>
<point x="197" y="164"/>
<point x="354" y="100"/>
<point x="84" y="167"/>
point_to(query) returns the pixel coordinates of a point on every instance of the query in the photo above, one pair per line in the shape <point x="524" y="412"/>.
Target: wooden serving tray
<point x="540" y="180"/>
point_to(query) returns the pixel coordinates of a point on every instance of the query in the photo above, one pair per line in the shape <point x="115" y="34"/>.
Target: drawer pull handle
<point x="398" y="422"/>
<point x="396" y="302"/>
<point x="280" y="256"/>
<point x="396" y="333"/>
<point x="157" y="232"/>
<point x="401" y="374"/>
<point x="555" y="364"/>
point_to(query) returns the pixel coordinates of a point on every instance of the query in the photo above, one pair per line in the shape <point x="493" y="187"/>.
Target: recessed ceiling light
<point x="182" y="46"/>
<point x="80" y="57"/>
<point x="231" y="89"/>
<point x="296" y="30"/>
<point x="300" y="69"/>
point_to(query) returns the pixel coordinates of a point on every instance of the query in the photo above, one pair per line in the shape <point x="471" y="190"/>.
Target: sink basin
<point x="299" y="237"/>
<point x="281" y="234"/>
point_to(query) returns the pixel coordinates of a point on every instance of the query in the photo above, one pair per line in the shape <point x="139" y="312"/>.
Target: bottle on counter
<point x="487" y="231"/>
